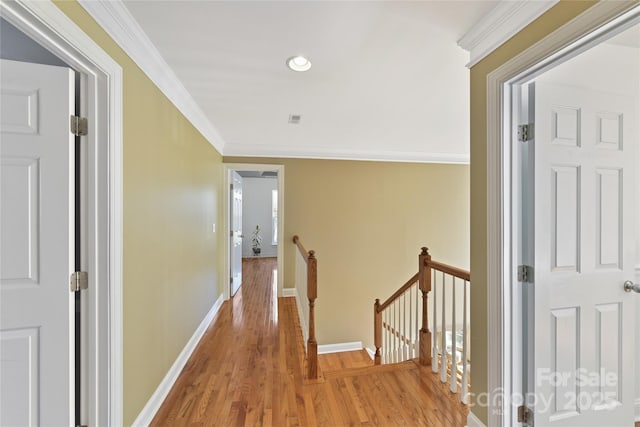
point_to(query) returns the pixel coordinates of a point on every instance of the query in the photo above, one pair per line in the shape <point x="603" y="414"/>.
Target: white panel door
<point x="584" y="252"/>
<point x="36" y="250"/>
<point x="236" y="232"/>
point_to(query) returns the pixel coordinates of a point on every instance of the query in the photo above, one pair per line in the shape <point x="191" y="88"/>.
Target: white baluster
<point x="386" y="335"/>
<point x="434" y="346"/>
<point x="464" y="397"/>
<point x="405" y="348"/>
<point x="398" y="341"/>
<point x="454" y="365"/>
<point x="388" y="350"/>
<point x="394" y="356"/>
<point x="416" y="352"/>
<point x="411" y="346"/>
<point x="443" y="337"/>
<point x="383" y="358"/>
<point x="389" y="337"/>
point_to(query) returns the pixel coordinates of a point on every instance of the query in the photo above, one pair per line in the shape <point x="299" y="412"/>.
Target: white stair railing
<point x="403" y="330"/>
<point x="451" y="356"/>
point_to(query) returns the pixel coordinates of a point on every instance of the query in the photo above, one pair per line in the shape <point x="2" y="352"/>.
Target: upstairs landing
<point x="248" y="371"/>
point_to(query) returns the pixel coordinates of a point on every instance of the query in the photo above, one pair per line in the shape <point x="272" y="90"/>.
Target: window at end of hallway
<point x="274" y="217"/>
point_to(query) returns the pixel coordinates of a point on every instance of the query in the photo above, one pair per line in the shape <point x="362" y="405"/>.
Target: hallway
<point x="247" y="370"/>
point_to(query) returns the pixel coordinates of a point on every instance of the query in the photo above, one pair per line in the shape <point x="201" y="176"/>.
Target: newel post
<point x="312" y="294"/>
<point x="424" y="278"/>
<point x="377" y="330"/>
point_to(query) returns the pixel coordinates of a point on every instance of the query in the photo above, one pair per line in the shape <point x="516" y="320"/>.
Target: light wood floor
<point x="247" y="370"/>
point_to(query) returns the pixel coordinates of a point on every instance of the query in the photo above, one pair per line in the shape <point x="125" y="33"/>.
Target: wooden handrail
<point x="312" y="295"/>
<point x="399" y="292"/>
<point x="301" y="248"/>
<point x="448" y="269"/>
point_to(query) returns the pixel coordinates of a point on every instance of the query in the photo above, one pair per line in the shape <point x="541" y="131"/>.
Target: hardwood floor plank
<point x="248" y="370"/>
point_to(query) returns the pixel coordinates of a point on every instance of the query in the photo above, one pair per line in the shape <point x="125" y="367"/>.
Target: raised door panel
<point x="36" y="244"/>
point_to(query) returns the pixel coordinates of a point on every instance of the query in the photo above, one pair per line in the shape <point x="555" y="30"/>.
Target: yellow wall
<point x="172" y="182"/>
<point x="367" y="221"/>
<point x="550" y="21"/>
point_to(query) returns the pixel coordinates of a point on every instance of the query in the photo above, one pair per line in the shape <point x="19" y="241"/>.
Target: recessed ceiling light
<point x="298" y="63"/>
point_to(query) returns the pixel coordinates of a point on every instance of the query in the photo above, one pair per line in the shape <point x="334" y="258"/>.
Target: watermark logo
<point x="558" y="392"/>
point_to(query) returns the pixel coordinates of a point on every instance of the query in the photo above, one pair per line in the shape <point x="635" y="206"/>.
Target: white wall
<point x="256" y="209"/>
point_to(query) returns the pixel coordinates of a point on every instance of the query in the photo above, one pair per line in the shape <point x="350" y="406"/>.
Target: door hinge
<point x="525" y="415"/>
<point x="525" y="132"/>
<point x="525" y="273"/>
<point x="79" y="280"/>
<point x="79" y="126"/>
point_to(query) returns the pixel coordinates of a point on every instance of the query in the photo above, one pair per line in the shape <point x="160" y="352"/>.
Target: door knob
<point x="630" y="286"/>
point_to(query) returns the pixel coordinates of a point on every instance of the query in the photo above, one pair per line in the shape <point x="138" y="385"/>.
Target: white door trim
<point x="568" y="40"/>
<point x="226" y="181"/>
<point x="50" y="27"/>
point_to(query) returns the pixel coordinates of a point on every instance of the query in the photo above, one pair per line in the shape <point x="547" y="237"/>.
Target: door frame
<point x="504" y="349"/>
<point x="226" y="219"/>
<point x="102" y="80"/>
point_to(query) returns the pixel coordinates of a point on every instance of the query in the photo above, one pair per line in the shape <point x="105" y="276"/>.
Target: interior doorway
<point x="55" y="36"/>
<point x="254" y="218"/>
<point x="576" y="187"/>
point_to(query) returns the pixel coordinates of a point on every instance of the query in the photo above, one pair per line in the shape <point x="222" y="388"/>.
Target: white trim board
<point x="499" y="25"/>
<point x="114" y="17"/>
<point x="303" y="323"/>
<point x="570" y="39"/>
<point x="290" y="292"/>
<point x="473" y="421"/>
<point x="372" y="354"/>
<point x="298" y="152"/>
<point x="46" y="24"/>
<point x="340" y="347"/>
<point x="637" y="404"/>
<point x="157" y="398"/>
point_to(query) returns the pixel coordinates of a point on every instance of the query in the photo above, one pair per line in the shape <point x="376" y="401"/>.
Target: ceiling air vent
<point x="294" y="119"/>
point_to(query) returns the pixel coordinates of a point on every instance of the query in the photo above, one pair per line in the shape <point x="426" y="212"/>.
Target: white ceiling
<point x="388" y="80"/>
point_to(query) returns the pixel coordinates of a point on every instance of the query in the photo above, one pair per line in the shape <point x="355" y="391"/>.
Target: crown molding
<point x="296" y="152"/>
<point x="499" y="25"/>
<point x="114" y="17"/>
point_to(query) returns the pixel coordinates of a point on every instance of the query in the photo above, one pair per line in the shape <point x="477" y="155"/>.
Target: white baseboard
<point x="289" y="292"/>
<point x="637" y="402"/>
<point x="149" y="411"/>
<point x="372" y="354"/>
<point x="339" y="347"/>
<point x="293" y="292"/>
<point x="473" y="421"/>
